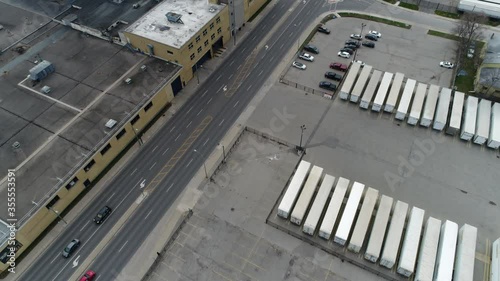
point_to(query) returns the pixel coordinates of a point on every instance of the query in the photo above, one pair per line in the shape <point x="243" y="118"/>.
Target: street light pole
<point x="137" y="137"/>
<point x="302" y="129"/>
<point x="204" y="166"/>
<point x="54" y="211"/>
<point x="361" y="34"/>
<point x="223" y="152"/>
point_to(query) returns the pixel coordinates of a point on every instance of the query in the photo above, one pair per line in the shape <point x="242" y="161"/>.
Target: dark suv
<point x="71" y="248"/>
<point x="102" y="215"/>
<point x="338" y="66"/>
<point x="368" y="44"/>
<point x="352" y="42"/>
<point x="312" y="49"/>
<point x="371" y="37"/>
<point x="351" y="46"/>
<point x="327" y="85"/>
<point x="333" y="76"/>
<point x="323" y="29"/>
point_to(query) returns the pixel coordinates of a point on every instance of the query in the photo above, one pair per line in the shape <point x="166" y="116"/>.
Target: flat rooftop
<point x="87" y="90"/>
<point x="194" y="15"/>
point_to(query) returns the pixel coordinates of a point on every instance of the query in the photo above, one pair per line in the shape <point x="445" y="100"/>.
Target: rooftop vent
<point x="110" y="124"/>
<point x="16" y="145"/>
<point x="212" y="10"/>
<point x="174" y="18"/>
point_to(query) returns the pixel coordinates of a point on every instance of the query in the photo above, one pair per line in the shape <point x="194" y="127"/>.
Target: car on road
<point x="347" y="50"/>
<point x="102" y="215"/>
<point x="356" y="36"/>
<point x="306" y="56"/>
<point x="345" y="55"/>
<point x="324" y="30"/>
<point x="311" y="48"/>
<point x="333" y="76"/>
<point x="72" y="246"/>
<point x="375" y="33"/>
<point x="327" y="85"/>
<point x="360" y="62"/>
<point x="88" y="276"/>
<point x="338" y="66"/>
<point x="371" y="37"/>
<point x="368" y="44"/>
<point x="299" y="65"/>
<point x="446" y="64"/>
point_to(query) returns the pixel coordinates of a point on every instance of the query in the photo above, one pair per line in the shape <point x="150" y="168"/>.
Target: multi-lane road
<point x="205" y="117"/>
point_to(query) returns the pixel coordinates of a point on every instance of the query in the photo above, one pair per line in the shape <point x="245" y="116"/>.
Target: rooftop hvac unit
<point x="128" y="81"/>
<point x="212" y="10"/>
<point x="110" y="124"/>
<point x="174" y="18"/>
<point x="143" y="68"/>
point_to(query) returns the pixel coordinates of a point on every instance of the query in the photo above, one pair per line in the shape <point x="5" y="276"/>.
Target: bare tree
<point x="469" y="29"/>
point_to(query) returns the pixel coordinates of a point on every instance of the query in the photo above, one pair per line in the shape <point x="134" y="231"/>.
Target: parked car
<point x="338" y="66"/>
<point x="306" y="56"/>
<point x="375" y="33"/>
<point x="324" y="30"/>
<point x="368" y="44"/>
<point x="333" y="76"/>
<point x="299" y="65"/>
<point x="371" y="37"/>
<point x="360" y="62"/>
<point x="327" y="85"/>
<point x="347" y="50"/>
<point x="312" y="49"/>
<point x="344" y="55"/>
<point x="88" y="276"/>
<point x="446" y="64"/>
<point x="72" y="246"/>
<point x="352" y="42"/>
<point x="356" y="36"/>
<point x="351" y="46"/>
<point x="102" y="215"/>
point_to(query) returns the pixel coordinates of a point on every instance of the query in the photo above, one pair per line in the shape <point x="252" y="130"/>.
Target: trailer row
<point x="388" y="235"/>
<point x="418" y="103"/>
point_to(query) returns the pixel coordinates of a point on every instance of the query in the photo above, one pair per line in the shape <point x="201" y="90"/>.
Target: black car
<point x="371" y="37"/>
<point x="327" y="85"/>
<point x="352" y="42"/>
<point x="71" y="248"/>
<point x="347" y="50"/>
<point x="333" y="76"/>
<point x="351" y="46"/>
<point x="369" y="44"/>
<point x="312" y="49"/>
<point x="102" y="215"/>
<point x="324" y="30"/>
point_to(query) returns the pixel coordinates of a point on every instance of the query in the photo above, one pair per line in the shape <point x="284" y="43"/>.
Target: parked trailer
<point x="364" y="218"/>
<point x="495" y="261"/>
<point x="404" y="102"/>
<point x="392" y="99"/>
<point x="393" y="239"/>
<point x="456" y="114"/>
<point x="382" y="91"/>
<point x="350" y="210"/>
<point x="489" y="8"/>
<point x="361" y="83"/>
<point x="483" y="122"/>
<point x="370" y="89"/>
<point x="428" y="250"/>
<point x="376" y="239"/>
<point x="418" y="102"/>
<point x="319" y="204"/>
<point x="332" y="212"/>
<point x="442" y="109"/>
<point x="469" y="127"/>
<point x="306" y="195"/>
<point x="494" y="138"/>
<point x="430" y="106"/>
<point x="349" y="80"/>
<point x="446" y="252"/>
<point x="466" y="254"/>
<point x="293" y="190"/>
<point x="409" y="250"/>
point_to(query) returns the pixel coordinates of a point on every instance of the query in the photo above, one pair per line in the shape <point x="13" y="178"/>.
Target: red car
<point x="338" y="66"/>
<point x="88" y="276"/>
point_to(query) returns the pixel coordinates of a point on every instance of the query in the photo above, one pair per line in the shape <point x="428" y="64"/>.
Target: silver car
<point x="306" y="56"/>
<point x="299" y="65"/>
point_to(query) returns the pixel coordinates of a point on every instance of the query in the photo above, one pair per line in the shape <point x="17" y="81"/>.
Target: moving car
<point x="368" y="44"/>
<point x="345" y="55"/>
<point x="102" y="215"/>
<point x="375" y="33"/>
<point x="446" y="64"/>
<point x="371" y="37"/>
<point x="338" y="66"/>
<point x="333" y="76"/>
<point x="299" y="65"/>
<point x="347" y="50"/>
<point x="72" y="246"/>
<point x="356" y="36"/>
<point x="88" y="276"/>
<point x="324" y="30"/>
<point x="327" y="85"/>
<point x="360" y="62"/>
<point x="306" y="56"/>
<point x="312" y="49"/>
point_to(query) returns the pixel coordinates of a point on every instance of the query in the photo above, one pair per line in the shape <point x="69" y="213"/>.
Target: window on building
<point x="212" y="26"/>
<point x="213" y="36"/>
<point x="72" y="183"/>
<point x="170" y="53"/>
<point x="89" y="165"/>
<point x="217" y="20"/>
<point x="192" y="56"/>
<point x="86" y="183"/>
<point x="136" y="118"/>
<point x="190" y="46"/>
<point x="219" y="30"/>
<point x="121" y="133"/>
<point x="206" y="43"/>
<point x="198" y="38"/>
<point x="52" y="202"/>
<point x="205" y="32"/>
<point x="148" y="106"/>
<point x="105" y="149"/>
<point x="199" y="50"/>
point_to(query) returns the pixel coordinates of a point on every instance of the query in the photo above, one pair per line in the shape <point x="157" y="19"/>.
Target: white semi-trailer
<point x="409" y="251"/>
<point x="430" y="106"/>
<point x="350" y="210"/>
<point x="367" y="97"/>
<point x="319" y="204"/>
<point x="495" y="261"/>
<point x="469" y="126"/>
<point x="494" y="138"/>
<point x="393" y="239"/>
<point x="364" y="218"/>
<point x="446" y="252"/>
<point x="442" y="109"/>
<point x="299" y="211"/>
<point x="382" y="91"/>
<point x="332" y="212"/>
<point x="428" y="250"/>
<point x="349" y="80"/>
<point x="417" y="104"/>
<point x="466" y="254"/>
<point x="404" y="102"/>
<point x="456" y="114"/>
<point x="483" y="122"/>
<point x="293" y="190"/>
<point x="360" y="83"/>
<point x="377" y="234"/>
<point x="392" y="99"/>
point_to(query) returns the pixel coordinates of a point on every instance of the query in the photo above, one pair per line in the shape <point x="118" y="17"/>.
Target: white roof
<point x="194" y="15"/>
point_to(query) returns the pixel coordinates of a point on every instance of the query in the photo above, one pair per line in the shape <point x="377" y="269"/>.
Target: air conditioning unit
<point x="128" y="81"/>
<point x="110" y="124"/>
<point x="143" y="68"/>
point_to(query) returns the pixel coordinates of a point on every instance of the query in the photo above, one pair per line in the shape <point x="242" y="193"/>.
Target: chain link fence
<point x="429" y="6"/>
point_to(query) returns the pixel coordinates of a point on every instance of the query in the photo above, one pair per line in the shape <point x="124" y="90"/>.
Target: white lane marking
<point x="109" y="198"/>
<point x="83" y="227"/>
<point x="209" y="100"/>
<point x="172" y="129"/>
<point x="249" y="87"/>
<point x="168" y="189"/>
<point x="238" y="67"/>
<point x="300" y="22"/>
<point x="189" y="162"/>
<point x="260" y="72"/>
<point x="230" y="77"/>
<point x="190" y="109"/>
<point x="221" y="122"/>
<point x="272" y="58"/>
<point x="165" y="151"/>
<point x="264" y="27"/>
<point x="189" y="124"/>
<point x="281" y="47"/>
<point x="148" y="214"/>
<point x="199" y="112"/>
<point x="243" y="49"/>
<point x="218" y="77"/>
<point x="205" y="142"/>
<point x="308" y="12"/>
<point x="99" y="276"/>
<point x="55" y="258"/>
<point x="236" y="104"/>
<point x="220" y="88"/>
<point x="290" y="35"/>
<point x="154" y="149"/>
<point x="152" y="166"/>
<point x="254" y="37"/>
<point x="231" y="63"/>
<point x="273" y="16"/>
<point x="123" y="246"/>
<point x="177" y="137"/>
<point x="134" y="171"/>
<point x="204" y="93"/>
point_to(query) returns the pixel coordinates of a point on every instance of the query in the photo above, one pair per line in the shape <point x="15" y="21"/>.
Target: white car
<point x="345" y="55"/>
<point x="375" y="33"/>
<point x="306" y="56"/>
<point x="299" y="65"/>
<point x="356" y="36"/>
<point x="446" y="64"/>
<point x="360" y="62"/>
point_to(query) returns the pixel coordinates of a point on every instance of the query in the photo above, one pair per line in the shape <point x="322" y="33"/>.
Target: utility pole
<point x="302" y="129"/>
